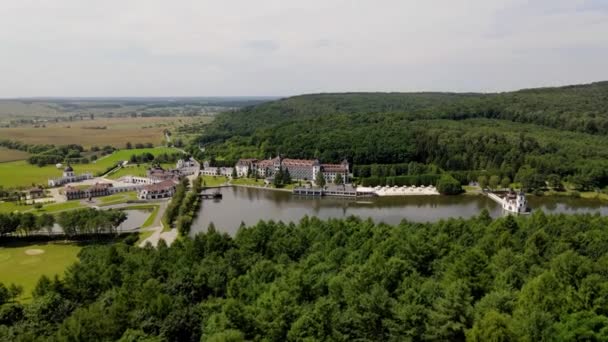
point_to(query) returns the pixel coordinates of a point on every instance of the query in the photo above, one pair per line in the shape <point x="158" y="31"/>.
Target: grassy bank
<point x="214" y="180"/>
<point x="23" y="264"/>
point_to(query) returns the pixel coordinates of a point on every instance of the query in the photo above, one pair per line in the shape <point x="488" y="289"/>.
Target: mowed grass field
<point x="118" y="131"/>
<point x="22" y="174"/>
<point x="7" y="155"/>
<point x="23" y="264"/>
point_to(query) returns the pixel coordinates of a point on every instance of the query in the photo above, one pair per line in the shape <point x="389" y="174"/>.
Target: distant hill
<point x="42" y="108"/>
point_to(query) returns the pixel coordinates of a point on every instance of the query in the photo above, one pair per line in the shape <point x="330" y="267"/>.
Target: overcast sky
<point x="285" y="47"/>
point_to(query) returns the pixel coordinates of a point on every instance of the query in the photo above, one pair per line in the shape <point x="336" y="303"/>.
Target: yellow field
<point x="7" y="155"/>
<point x="118" y="131"/>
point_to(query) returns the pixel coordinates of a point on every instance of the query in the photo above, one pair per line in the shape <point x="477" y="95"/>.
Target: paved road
<point x="158" y="228"/>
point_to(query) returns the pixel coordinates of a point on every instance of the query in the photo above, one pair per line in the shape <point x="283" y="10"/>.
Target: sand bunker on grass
<point x="34" y="251"/>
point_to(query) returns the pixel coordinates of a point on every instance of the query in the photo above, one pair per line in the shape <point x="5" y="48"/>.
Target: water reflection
<point x="249" y="205"/>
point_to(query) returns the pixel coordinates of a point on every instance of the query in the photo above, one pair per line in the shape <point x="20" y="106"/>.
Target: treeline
<point x="162" y="158"/>
<point x="172" y="211"/>
<point x="535" y="278"/>
<point x="417" y="180"/>
<point x="74" y="222"/>
<point x="51" y="154"/>
<point x="90" y="221"/>
<point x="129" y="146"/>
<point x="25" y="224"/>
<point x="59" y="154"/>
<point x="188" y="210"/>
<point x="392" y="170"/>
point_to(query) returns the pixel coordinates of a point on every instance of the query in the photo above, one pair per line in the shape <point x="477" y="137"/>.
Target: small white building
<point x="69" y="177"/>
<point x="515" y="202"/>
<point x="188" y="167"/>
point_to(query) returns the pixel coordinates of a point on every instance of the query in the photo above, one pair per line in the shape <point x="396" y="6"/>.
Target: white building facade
<point x="69" y="177"/>
<point x="299" y="169"/>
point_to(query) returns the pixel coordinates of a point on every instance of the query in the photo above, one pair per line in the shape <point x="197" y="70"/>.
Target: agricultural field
<point x="23" y="264"/>
<point x="7" y="155"/>
<point x="22" y="174"/>
<point x="99" y="132"/>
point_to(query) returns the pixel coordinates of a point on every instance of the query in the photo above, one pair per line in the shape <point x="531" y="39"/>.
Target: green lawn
<point x="594" y="195"/>
<point x="9" y="207"/>
<point x="214" y="180"/>
<point x="57" y="207"/>
<point x="22" y="269"/>
<point x="22" y="174"/>
<point x="135" y="170"/>
<point x="248" y="181"/>
<point x="150" y="220"/>
<point x="118" y="198"/>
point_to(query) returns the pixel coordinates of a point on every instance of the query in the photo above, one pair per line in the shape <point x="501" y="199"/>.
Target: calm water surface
<point x="250" y="205"/>
<point x="135" y="218"/>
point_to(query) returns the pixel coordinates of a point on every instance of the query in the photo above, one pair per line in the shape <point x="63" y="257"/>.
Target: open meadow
<point x="23" y="264"/>
<point x="99" y="132"/>
<point x="22" y="174"/>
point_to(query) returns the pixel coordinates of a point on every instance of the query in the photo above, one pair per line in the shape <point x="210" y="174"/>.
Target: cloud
<point x="262" y="45"/>
<point x="273" y="47"/>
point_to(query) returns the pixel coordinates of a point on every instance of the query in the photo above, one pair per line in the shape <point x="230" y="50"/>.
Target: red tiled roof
<point x="246" y="161"/>
<point x="300" y="162"/>
<point x="333" y="168"/>
<point x="164" y="185"/>
<point x="265" y="163"/>
<point x="100" y="186"/>
<point x="70" y="189"/>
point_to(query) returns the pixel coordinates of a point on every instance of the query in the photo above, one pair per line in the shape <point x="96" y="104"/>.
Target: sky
<point x="286" y="47"/>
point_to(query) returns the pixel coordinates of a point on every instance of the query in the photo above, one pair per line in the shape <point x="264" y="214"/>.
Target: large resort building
<point x="160" y="190"/>
<point x="300" y="169"/>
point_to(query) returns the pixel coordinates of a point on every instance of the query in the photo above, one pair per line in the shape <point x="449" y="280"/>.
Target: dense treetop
<point x="582" y="108"/>
<point x="540" y="278"/>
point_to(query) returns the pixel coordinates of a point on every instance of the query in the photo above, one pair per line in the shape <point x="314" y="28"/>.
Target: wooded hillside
<point x="553" y="131"/>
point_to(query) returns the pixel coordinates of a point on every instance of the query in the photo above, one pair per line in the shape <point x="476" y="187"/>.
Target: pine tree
<point x="278" y="178"/>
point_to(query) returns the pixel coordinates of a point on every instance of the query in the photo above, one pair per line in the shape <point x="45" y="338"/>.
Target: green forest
<point x="551" y="131"/>
<point x="535" y="278"/>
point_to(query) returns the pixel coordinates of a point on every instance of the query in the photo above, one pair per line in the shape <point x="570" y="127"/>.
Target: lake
<point x="135" y="218"/>
<point x="250" y="205"/>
